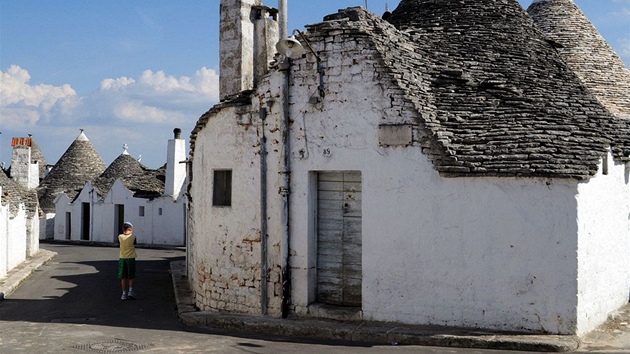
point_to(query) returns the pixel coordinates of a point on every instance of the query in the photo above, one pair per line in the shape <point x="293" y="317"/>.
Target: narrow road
<point x="72" y="305"/>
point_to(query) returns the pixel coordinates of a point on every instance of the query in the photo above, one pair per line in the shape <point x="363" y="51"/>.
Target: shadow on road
<point x="80" y="286"/>
<point x="67" y="291"/>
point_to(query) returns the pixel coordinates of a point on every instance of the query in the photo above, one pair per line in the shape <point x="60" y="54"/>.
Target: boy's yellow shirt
<point x="127" y="248"/>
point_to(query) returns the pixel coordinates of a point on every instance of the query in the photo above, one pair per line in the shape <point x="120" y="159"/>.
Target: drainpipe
<point x="263" y="214"/>
<point x="91" y="235"/>
<point x="285" y="174"/>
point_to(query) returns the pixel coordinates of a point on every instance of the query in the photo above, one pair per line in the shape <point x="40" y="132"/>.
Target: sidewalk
<point x="375" y="332"/>
<point x="613" y="336"/>
<point x="17" y="275"/>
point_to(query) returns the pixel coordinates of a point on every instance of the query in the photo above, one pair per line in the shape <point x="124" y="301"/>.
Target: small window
<point x="222" y="189"/>
<point x="141" y="211"/>
<point x="160" y="211"/>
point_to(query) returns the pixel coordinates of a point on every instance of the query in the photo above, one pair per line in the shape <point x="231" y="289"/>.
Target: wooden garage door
<point x="339" y="238"/>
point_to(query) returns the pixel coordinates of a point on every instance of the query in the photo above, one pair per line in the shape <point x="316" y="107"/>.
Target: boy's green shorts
<point x="126" y="268"/>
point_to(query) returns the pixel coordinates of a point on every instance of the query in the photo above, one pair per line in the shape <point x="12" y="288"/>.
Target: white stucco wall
<point x="168" y="227"/>
<point x="479" y="252"/>
<point x="152" y="228"/>
<point x="62" y="206"/>
<point x="4" y="250"/>
<point x="47" y="226"/>
<point x="604" y="245"/>
<point x="225" y="241"/>
<point x="16" y="238"/>
<point x="497" y="253"/>
<point x="32" y="232"/>
<point x="19" y="236"/>
<point x="494" y="253"/>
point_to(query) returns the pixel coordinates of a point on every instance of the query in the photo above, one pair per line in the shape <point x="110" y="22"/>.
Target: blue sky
<point x="129" y="72"/>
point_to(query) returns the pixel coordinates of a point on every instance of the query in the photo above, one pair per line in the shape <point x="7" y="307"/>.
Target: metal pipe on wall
<point x="263" y="214"/>
<point x="285" y="190"/>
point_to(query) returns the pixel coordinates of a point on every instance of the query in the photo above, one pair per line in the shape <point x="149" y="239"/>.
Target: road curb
<point x="360" y="331"/>
<point x="18" y="274"/>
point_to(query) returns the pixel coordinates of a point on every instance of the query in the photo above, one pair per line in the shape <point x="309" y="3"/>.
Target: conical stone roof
<point x="144" y="182"/>
<point x="505" y="102"/>
<point x="584" y="49"/>
<point x="13" y="194"/>
<point x="79" y="164"/>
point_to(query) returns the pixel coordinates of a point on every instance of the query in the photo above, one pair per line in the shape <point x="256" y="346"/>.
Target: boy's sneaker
<point x="131" y="295"/>
<point x="124" y="296"/>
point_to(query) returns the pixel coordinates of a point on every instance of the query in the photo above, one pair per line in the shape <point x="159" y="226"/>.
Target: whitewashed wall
<point x="604" y="246"/>
<point x="480" y="252"/>
<point x="47" y="226"/>
<point x="16" y="238"/>
<point x="496" y="253"/>
<point x="169" y="227"/>
<point x="32" y="234"/>
<point x="152" y="228"/>
<point x="4" y="232"/>
<point x="225" y="241"/>
<point x="62" y="205"/>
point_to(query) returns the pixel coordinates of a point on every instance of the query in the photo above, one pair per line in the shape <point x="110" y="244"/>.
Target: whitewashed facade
<point x="158" y="220"/>
<point x="13" y="236"/>
<point x="19" y="222"/>
<point x="541" y="253"/>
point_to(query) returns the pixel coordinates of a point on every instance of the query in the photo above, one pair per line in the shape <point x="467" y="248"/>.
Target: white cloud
<point x="150" y="105"/>
<point x="136" y="111"/>
<point x="23" y="104"/>
<point x="156" y="97"/>
<point x="116" y="84"/>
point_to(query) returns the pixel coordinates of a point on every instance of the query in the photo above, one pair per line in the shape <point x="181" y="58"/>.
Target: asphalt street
<point x="72" y="305"/>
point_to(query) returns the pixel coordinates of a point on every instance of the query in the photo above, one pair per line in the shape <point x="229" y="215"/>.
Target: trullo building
<point x="450" y="165"/>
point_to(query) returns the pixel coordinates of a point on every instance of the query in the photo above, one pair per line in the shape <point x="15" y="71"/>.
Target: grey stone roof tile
<point x="503" y="95"/>
<point x="489" y="94"/>
<point x="144" y="182"/>
<point x="79" y="164"/>
<point x="13" y="194"/>
<point x="586" y="52"/>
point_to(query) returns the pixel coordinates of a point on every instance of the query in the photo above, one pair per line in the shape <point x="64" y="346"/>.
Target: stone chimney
<point x="248" y="34"/>
<point x="23" y="170"/>
<point x="175" y="169"/>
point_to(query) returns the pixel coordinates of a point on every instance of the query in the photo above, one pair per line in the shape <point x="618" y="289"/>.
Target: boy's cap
<point x="127" y="223"/>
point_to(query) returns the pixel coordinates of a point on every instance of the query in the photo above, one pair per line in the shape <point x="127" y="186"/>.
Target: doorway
<point x="68" y="234"/>
<point x="339" y="238"/>
<point x="85" y="221"/>
<point x="119" y="219"/>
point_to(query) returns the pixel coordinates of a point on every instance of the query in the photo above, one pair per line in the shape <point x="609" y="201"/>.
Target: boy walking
<point x="127" y="261"/>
